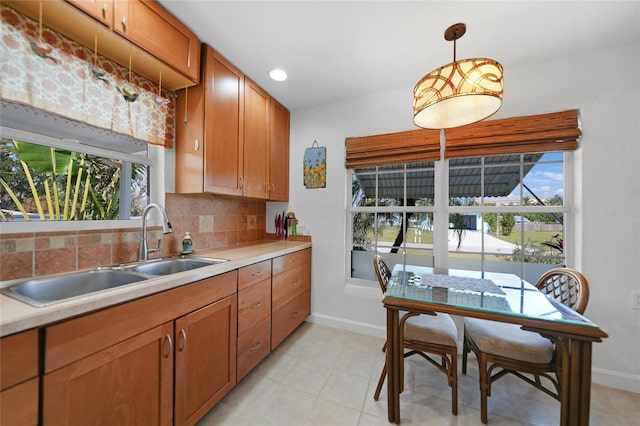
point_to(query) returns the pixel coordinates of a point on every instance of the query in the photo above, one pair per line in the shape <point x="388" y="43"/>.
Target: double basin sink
<point x="45" y="291"/>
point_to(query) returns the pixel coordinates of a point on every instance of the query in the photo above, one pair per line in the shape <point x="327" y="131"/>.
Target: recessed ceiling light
<point x="278" y="74"/>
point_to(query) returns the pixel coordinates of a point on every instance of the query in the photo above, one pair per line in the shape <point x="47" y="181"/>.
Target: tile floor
<point x="322" y="376"/>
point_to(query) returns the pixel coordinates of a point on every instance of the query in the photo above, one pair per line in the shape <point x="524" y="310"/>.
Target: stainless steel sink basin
<point x="46" y="291"/>
<point x="172" y="266"/>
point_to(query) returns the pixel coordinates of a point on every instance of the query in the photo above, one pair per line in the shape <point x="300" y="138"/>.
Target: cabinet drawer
<point x="288" y="317"/>
<point x="254" y="305"/>
<point x="18" y="358"/>
<point x="253" y="346"/>
<point x="253" y="273"/>
<point x="19" y="405"/>
<point x="288" y="261"/>
<point x="290" y="284"/>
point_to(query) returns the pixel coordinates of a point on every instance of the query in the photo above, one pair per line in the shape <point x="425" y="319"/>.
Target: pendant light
<point x="459" y="93"/>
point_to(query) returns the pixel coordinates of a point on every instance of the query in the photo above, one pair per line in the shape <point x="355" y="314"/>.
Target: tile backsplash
<point x="211" y="221"/>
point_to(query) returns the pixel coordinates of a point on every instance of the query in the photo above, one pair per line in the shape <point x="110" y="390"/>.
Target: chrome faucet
<point x="143" y="250"/>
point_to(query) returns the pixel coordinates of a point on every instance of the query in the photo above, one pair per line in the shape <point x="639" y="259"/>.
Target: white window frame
<point x="441" y="210"/>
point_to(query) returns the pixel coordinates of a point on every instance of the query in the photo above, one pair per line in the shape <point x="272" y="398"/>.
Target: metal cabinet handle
<point x="104" y="8"/>
<point x="183" y="334"/>
<point x="167" y="338"/>
<point x="294" y="314"/>
<point x="256" y="347"/>
<point x="296" y="282"/>
<point x="256" y="305"/>
<point x="257" y="273"/>
<point x="123" y="21"/>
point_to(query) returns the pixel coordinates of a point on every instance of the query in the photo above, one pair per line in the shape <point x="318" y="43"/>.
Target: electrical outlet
<point x="635" y="297"/>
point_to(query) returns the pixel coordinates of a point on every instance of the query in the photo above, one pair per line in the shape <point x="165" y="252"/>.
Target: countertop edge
<point x="17" y="316"/>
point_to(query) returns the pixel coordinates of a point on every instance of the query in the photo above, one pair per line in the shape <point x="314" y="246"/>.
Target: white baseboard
<point x="601" y="376"/>
<point x="349" y="325"/>
<point x="616" y="379"/>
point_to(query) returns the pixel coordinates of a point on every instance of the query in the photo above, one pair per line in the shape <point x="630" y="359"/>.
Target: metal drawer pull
<point x="184" y="340"/>
<point x="124" y="21"/>
<point x="256" y="347"/>
<point x="168" y="340"/>
<point x="256" y="273"/>
<point x="256" y="305"/>
<point x="296" y="282"/>
<point x="295" y="314"/>
<point x="104" y="9"/>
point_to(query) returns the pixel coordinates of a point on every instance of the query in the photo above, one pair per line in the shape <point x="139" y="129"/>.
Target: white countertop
<point x="18" y="316"/>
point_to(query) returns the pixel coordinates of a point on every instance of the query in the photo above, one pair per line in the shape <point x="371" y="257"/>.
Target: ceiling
<point x="335" y="50"/>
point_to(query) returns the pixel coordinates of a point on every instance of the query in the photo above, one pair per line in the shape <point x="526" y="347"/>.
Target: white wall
<point x="606" y="89"/>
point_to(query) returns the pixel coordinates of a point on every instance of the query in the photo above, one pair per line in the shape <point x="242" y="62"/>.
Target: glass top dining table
<point x="485" y="292"/>
<point x="499" y="297"/>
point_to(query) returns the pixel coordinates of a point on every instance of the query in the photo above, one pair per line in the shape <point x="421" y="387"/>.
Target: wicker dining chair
<point x="424" y="334"/>
<point x="506" y="348"/>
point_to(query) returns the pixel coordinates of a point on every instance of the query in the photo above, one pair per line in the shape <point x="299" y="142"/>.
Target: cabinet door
<point x="102" y="10"/>
<point x="279" y="153"/>
<point x="205" y="359"/>
<point x="223" y="125"/>
<point x="128" y="383"/>
<point x="151" y="27"/>
<point x="256" y="141"/>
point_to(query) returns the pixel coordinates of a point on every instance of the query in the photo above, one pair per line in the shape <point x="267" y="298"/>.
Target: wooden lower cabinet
<point x="290" y="294"/>
<point x="205" y="359"/>
<point x="289" y="317"/>
<point x="174" y="359"/>
<point x="163" y="359"/>
<point x="19" y="404"/>
<point x="19" y="383"/>
<point x="254" y="315"/>
<point x="128" y="383"/>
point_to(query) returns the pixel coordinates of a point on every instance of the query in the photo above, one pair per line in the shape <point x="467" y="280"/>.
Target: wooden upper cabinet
<point x="136" y="33"/>
<point x="232" y="138"/>
<point x="256" y="140"/>
<point x="151" y="27"/>
<point x="223" y="125"/>
<point x="209" y="130"/>
<point x="101" y="10"/>
<point x="279" y="153"/>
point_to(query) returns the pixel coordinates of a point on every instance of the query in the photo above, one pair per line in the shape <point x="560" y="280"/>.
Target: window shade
<point x="393" y="148"/>
<point x="558" y="131"/>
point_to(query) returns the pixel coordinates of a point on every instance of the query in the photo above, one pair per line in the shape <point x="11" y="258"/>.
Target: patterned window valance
<point x="48" y="71"/>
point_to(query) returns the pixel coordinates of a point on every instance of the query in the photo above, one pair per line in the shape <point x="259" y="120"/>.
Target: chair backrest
<point x="566" y="286"/>
<point x="382" y="271"/>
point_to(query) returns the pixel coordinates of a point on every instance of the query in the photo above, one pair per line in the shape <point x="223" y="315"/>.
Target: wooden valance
<point x="393" y="148"/>
<point x="557" y="131"/>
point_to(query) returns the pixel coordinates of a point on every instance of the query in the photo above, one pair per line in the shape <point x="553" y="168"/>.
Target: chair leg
<point x="465" y="352"/>
<point x="380" y="383"/>
<point x="453" y="382"/>
<point x="485" y="387"/>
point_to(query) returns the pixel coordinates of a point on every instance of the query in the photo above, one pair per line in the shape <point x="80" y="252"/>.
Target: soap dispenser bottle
<point x="187" y="243"/>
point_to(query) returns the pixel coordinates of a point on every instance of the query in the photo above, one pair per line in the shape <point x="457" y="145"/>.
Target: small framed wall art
<point x="315" y="166"/>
